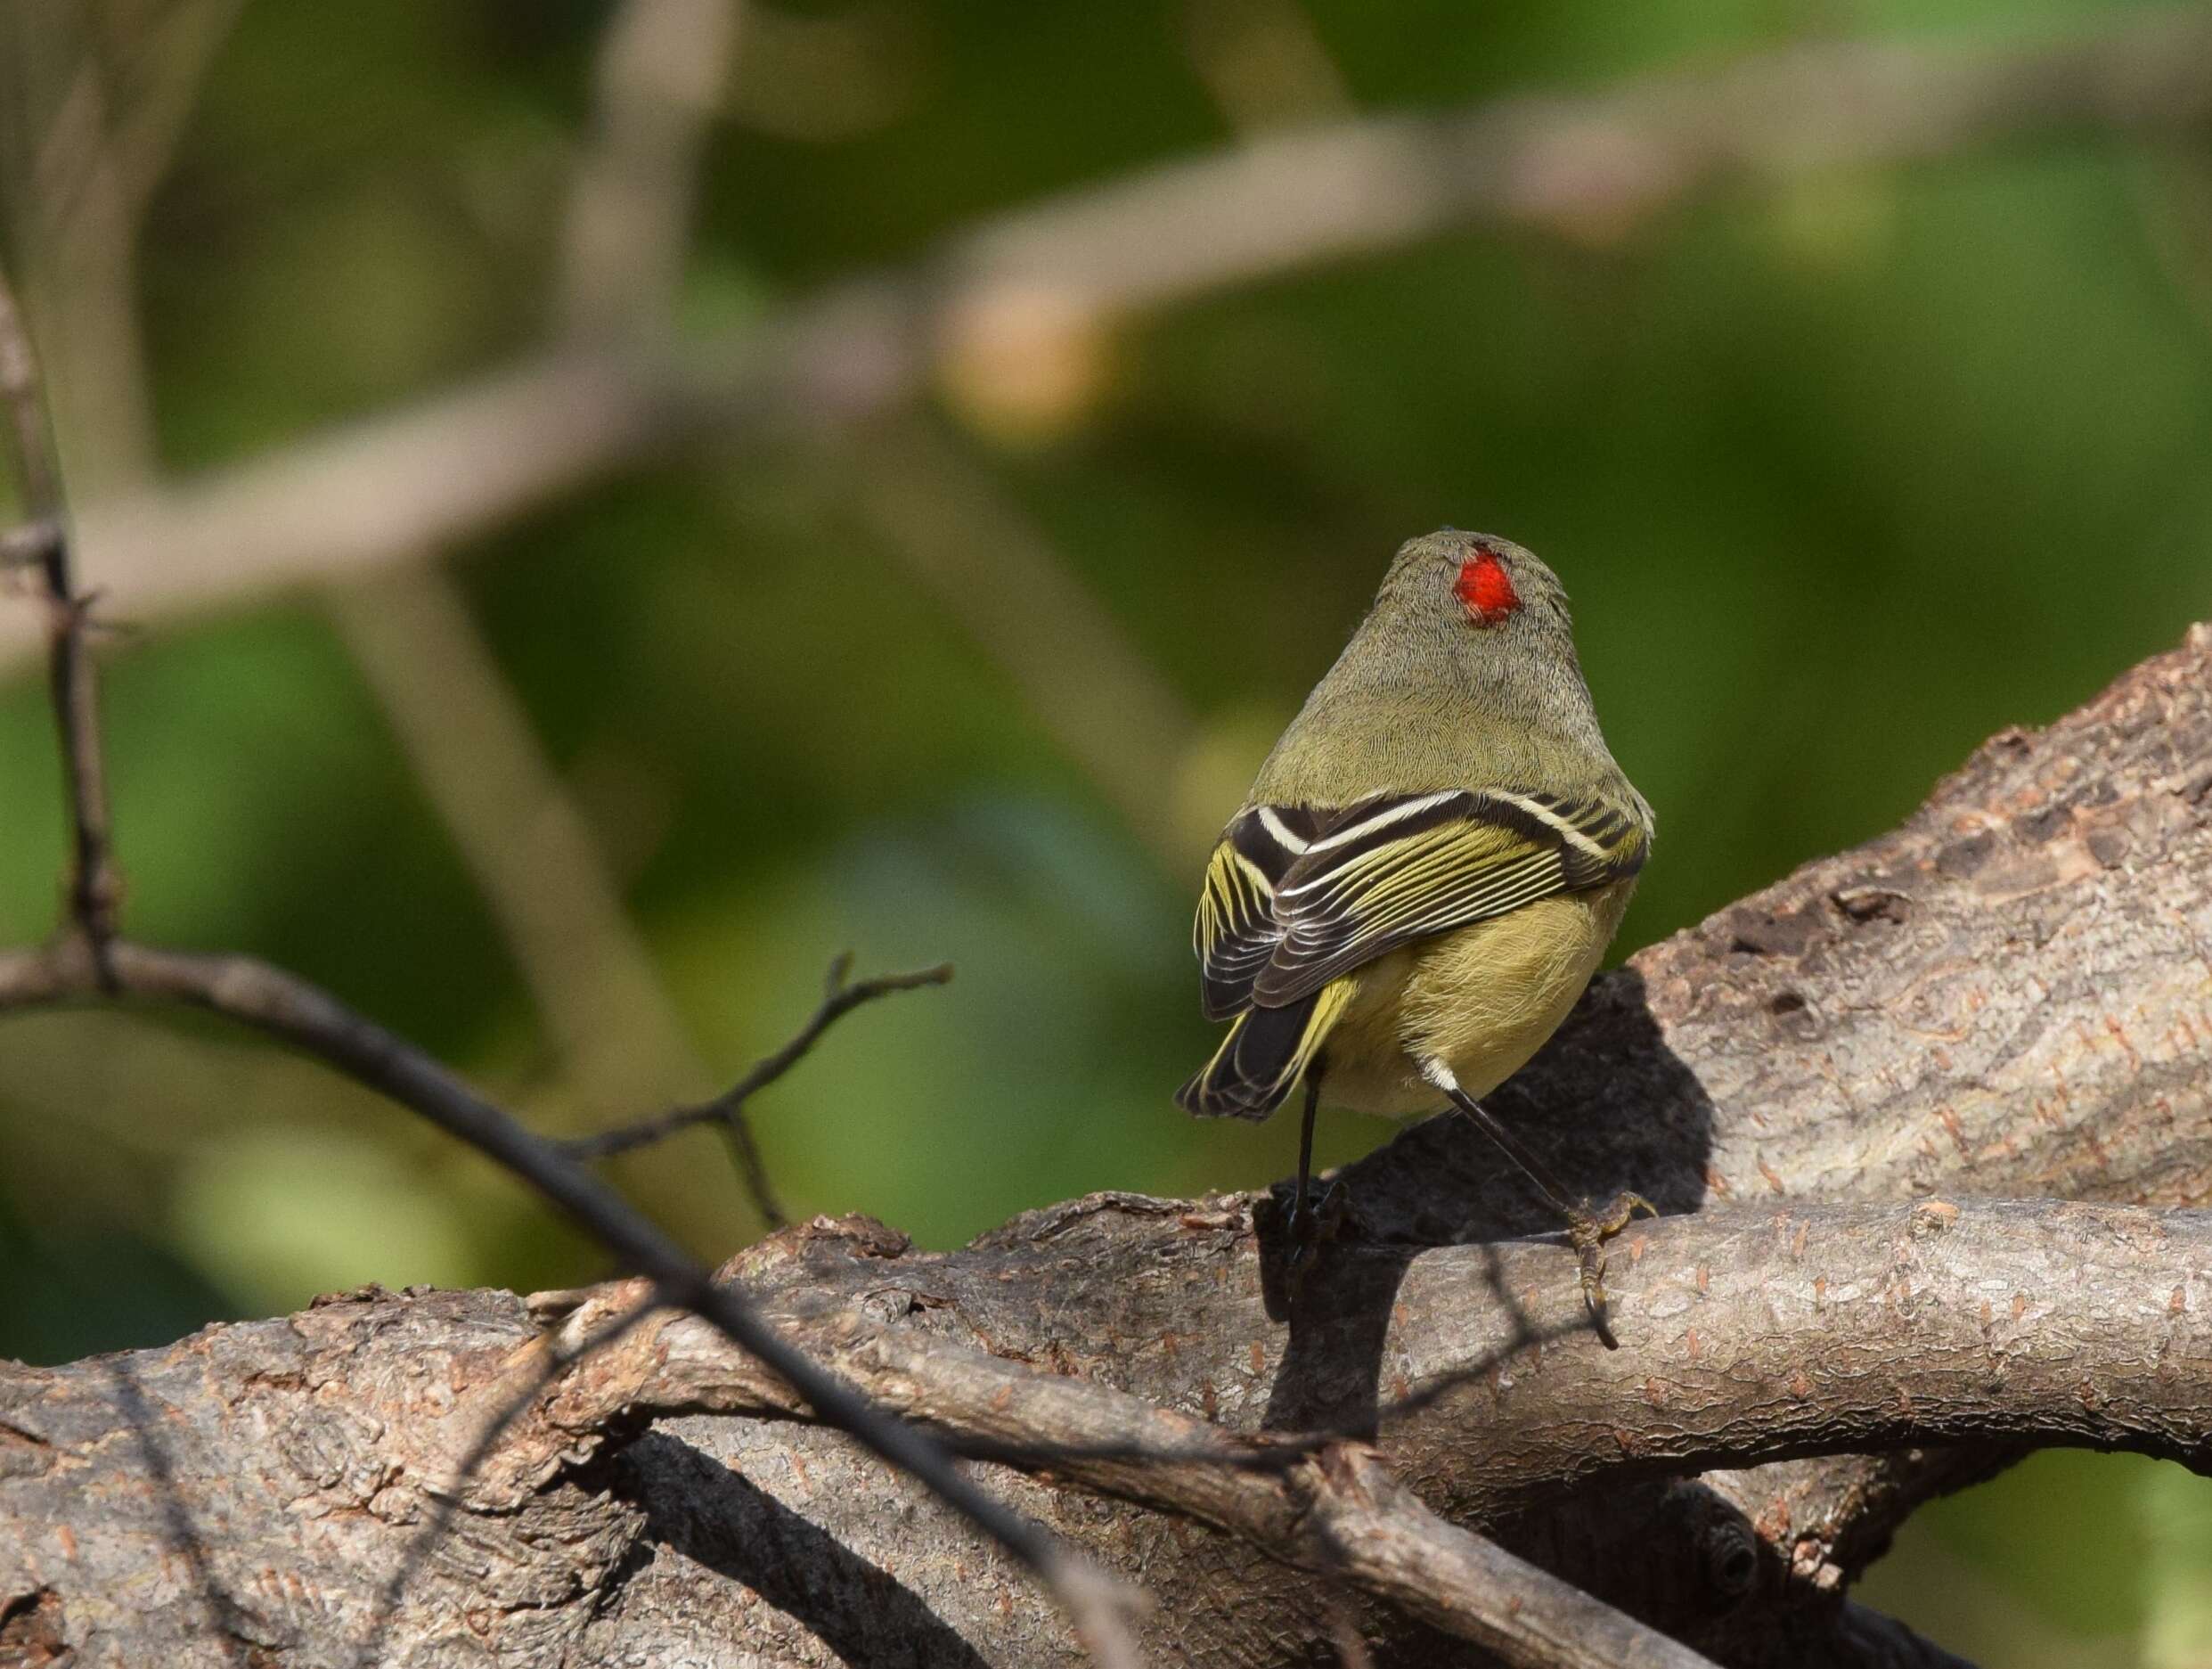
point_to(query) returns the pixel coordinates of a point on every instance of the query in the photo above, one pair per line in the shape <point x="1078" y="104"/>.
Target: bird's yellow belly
<point x="1482" y="999"/>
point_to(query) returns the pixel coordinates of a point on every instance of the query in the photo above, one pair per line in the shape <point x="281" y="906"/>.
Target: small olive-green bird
<point x="1427" y="870"/>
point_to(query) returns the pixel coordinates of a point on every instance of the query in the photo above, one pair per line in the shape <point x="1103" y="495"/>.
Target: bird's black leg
<point x="1588" y="1225"/>
<point x="1305" y="1138"/>
<point x="1310" y="1222"/>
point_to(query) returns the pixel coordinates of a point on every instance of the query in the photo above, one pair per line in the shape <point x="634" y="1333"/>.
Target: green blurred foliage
<point x="1842" y="479"/>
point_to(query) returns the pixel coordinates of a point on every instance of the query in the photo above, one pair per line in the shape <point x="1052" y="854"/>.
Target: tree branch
<point x="1765" y="1335"/>
<point x="1323" y="1505"/>
<point x="254" y="993"/>
<point x="1338" y="1511"/>
<point x="2011" y="992"/>
<point x="89" y="961"/>
<point x="553" y="1365"/>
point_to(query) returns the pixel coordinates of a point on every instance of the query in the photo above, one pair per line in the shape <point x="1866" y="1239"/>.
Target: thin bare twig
<point x="94" y="885"/>
<point x="727" y="1110"/>
<point x="89" y="961"/>
<point x="287" y="1008"/>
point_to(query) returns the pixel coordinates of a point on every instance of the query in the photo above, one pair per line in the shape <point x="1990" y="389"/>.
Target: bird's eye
<point x="1486" y="589"/>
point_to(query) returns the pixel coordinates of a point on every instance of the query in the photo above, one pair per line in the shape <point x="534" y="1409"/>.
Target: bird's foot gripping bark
<point x="1313" y="1223"/>
<point x="1588" y="1228"/>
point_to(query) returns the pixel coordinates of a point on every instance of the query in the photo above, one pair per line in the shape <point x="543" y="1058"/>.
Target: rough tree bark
<point x="2011" y="995"/>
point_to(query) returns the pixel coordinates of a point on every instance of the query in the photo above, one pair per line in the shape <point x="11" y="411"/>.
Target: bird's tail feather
<point x="1266" y="1052"/>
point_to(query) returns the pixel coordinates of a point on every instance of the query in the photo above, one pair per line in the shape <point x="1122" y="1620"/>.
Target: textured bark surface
<point x="2011" y="995"/>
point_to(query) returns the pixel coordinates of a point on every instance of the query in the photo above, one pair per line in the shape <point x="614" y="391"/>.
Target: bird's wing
<point x="1237" y="930"/>
<point x="1393" y="868"/>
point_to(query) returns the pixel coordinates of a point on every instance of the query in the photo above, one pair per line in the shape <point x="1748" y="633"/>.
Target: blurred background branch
<point x="660" y="79"/>
<point x="940" y="513"/>
<point x="616" y="1039"/>
<point x="96" y="123"/>
<point x="1042" y="281"/>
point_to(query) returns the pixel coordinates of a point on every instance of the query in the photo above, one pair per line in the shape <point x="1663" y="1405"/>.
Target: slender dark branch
<point x="744" y="1153"/>
<point x="92" y="962"/>
<point x="288" y="1008"/>
<point x="1754" y="1334"/>
<point x="840" y="997"/>
<point x="94" y="887"/>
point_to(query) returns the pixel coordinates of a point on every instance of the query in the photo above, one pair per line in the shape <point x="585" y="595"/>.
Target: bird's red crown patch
<point x="1486" y="588"/>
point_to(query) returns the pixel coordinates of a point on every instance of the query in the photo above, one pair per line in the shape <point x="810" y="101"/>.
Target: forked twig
<point x="91" y="963"/>
<point x="840" y="997"/>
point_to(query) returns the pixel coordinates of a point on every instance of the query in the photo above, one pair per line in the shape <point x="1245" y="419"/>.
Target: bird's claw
<point x="1313" y="1225"/>
<point x="1588" y="1230"/>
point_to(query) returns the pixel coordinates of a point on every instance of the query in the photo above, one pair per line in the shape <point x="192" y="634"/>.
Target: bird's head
<point x="1476" y="584"/>
<point x="1464" y="673"/>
